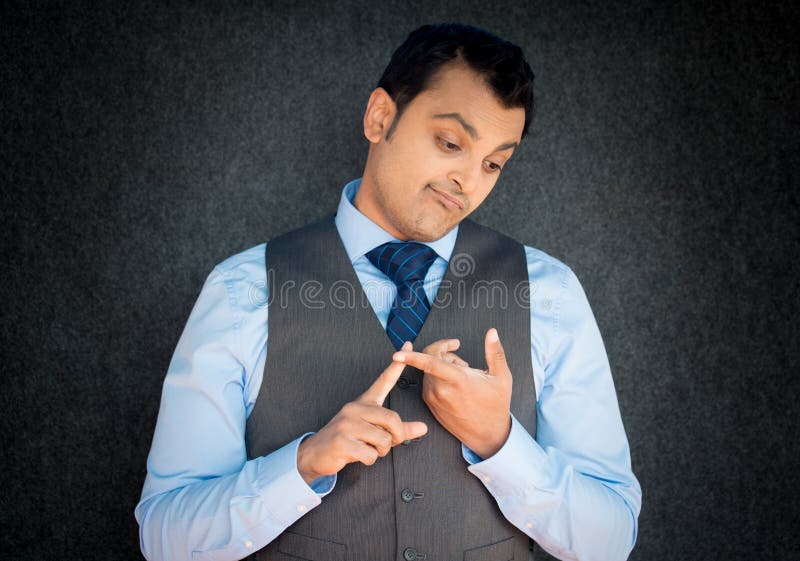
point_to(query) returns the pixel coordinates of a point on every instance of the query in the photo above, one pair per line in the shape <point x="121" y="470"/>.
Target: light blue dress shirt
<point x="571" y="489"/>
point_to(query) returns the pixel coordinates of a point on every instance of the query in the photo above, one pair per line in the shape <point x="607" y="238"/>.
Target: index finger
<point x="429" y="364"/>
<point x="381" y="387"/>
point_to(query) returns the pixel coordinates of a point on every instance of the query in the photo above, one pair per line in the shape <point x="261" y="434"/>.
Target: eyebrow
<point x="471" y="130"/>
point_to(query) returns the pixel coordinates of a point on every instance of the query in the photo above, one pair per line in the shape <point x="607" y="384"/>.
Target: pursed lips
<point x="449" y="198"/>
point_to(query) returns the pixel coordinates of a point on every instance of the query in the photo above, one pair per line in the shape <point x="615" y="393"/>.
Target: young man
<point x="290" y="427"/>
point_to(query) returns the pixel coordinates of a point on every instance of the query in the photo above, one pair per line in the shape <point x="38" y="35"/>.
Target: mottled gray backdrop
<point x="143" y="143"/>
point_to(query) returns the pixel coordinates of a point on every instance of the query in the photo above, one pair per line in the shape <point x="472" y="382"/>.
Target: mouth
<point x="448" y="201"/>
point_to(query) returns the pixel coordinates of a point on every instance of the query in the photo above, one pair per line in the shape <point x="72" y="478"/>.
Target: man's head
<point x="448" y="112"/>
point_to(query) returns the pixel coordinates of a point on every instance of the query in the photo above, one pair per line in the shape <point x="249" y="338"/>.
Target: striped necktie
<point x="406" y="264"/>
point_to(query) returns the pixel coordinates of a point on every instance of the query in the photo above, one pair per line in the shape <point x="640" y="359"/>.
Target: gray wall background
<point x="142" y="144"/>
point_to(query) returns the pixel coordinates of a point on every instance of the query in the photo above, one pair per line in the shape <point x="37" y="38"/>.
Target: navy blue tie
<point x="406" y="264"/>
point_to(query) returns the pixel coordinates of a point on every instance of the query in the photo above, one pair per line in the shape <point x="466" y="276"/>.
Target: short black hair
<point x="500" y="62"/>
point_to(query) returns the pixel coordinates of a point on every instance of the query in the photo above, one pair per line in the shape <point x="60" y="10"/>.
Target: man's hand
<point x="474" y="405"/>
<point x="361" y="431"/>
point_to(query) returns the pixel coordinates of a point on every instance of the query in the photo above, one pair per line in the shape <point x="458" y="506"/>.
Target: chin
<point x="425" y="227"/>
<point x="433" y="234"/>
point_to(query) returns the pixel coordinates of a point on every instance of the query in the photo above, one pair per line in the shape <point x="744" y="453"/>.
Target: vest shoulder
<point x="533" y="255"/>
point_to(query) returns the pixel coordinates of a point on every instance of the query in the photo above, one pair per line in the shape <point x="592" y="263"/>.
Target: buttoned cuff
<point x="513" y="468"/>
<point x="284" y="489"/>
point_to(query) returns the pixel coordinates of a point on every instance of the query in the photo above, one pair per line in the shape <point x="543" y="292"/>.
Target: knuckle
<point x="441" y="393"/>
<point x="393" y="417"/>
<point x="343" y="426"/>
<point x="337" y="447"/>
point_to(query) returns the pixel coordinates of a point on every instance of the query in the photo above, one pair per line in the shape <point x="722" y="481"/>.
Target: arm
<point x="572" y="489"/>
<point x="202" y="499"/>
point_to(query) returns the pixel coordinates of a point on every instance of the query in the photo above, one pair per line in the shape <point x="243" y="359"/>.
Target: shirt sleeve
<point x="571" y="488"/>
<point x="202" y="498"/>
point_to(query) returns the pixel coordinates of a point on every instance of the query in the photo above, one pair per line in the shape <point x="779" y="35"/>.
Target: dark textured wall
<point x="143" y="144"/>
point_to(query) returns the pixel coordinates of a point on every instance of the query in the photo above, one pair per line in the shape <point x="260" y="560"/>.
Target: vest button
<point x="407" y="495"/>
<point x="409" y="554"/>
<point x="402" y="383"/>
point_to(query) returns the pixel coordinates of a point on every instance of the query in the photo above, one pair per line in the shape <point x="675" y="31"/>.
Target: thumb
<point x="495" y="355"/>
<point x="414" y="429"/>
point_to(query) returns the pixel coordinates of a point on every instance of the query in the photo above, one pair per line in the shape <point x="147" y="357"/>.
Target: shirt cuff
<point x="513" y="468"/>
<point x="284" y="489"/>
<point x="321" y="485"/>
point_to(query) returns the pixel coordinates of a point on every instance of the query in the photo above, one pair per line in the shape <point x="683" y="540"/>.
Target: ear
<point x="379" y="114"/>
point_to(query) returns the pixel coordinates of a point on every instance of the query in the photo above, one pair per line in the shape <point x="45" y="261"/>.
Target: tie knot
<point x="403" y="261"/>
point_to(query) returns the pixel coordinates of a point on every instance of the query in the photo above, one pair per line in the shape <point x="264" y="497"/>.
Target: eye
<point x="494" y="167"/>
<point x="447" y="145"/>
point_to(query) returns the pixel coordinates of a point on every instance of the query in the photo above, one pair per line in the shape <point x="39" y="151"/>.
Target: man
<point x="290" y="428"/>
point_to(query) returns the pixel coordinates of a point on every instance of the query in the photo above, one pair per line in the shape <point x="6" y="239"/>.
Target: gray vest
<point x="326" y="347"/>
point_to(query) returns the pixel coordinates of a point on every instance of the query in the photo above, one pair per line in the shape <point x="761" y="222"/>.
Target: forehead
<point x="456" y="88"/>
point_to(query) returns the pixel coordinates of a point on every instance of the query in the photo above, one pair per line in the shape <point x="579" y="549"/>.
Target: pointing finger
<point x="381" y="387"/>
<point x="432" y="365"/>
<point x="442" y="347"/>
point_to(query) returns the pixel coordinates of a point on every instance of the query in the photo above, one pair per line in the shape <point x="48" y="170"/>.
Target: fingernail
<point x="406" y="345"/>
<point x="493" y="337"/>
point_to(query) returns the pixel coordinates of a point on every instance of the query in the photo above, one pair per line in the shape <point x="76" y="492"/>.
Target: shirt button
<point x="486" y="478"/>
<point x="248" y="544"/>
<point x="407" y="495"/>
<point x="301" y="508"/>
<point x="528" y="525"/>
<point x="409" y="554"/>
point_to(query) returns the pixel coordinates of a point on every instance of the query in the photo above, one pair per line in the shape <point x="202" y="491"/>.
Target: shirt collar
<point x="360" y="234"/>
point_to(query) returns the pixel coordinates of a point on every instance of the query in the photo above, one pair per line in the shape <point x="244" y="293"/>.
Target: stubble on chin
<point x="417" y="226"/>
<point x="427" y="229"/>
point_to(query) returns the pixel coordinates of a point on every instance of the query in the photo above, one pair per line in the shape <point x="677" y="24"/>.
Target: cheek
<point x="420" y="159"/>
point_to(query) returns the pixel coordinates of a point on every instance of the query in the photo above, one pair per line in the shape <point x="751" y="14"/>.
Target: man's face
<point x="442" y="159"/>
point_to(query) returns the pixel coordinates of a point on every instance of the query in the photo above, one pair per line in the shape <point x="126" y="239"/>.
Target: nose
<point x="464" y="176"/>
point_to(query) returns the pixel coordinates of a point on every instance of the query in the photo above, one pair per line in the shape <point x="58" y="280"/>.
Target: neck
<point x="364" y="201"/>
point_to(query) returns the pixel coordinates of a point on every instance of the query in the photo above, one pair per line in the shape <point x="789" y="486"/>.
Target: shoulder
<point x="244" y="262"/>
<point x="553" y="282"/>
<point x="245" y="278"/>
<point x="544" y="269"/>
<point x="533" y="255"/>
<point x="550" y="278"/>
<point x="544" y="261"/>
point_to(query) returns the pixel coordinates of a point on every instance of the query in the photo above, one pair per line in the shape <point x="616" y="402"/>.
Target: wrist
<point x="495" y="443"/>
<point x="308" y="474"/>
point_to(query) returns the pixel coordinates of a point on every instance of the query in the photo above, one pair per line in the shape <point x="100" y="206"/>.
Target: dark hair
<point x="427" y="48"/>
